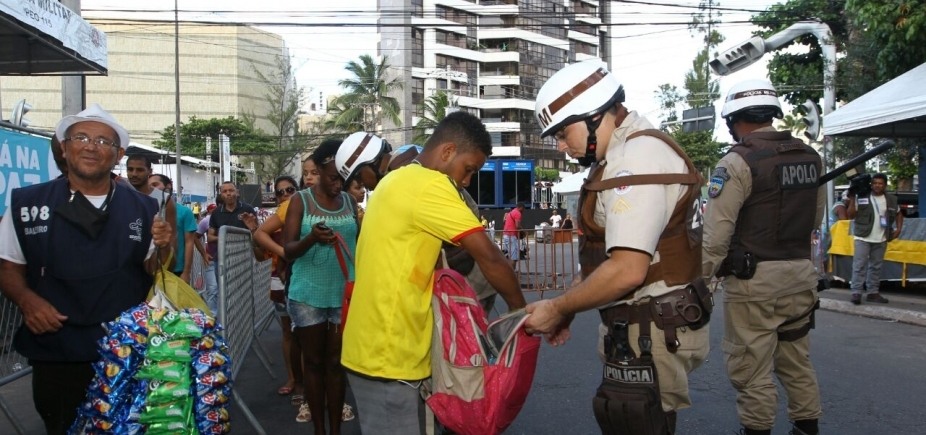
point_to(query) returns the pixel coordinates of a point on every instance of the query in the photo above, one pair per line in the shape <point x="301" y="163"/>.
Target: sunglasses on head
<point x="290" y="190"/>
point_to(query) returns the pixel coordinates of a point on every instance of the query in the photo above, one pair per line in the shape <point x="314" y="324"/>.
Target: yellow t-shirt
<point x="388" y="330"/>
<point x="281" y="212"/>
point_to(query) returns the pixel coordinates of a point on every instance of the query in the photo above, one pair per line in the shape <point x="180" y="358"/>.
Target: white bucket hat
<point x="94" y="113"/>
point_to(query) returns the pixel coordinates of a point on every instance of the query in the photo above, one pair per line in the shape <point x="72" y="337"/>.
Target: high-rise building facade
<point x="492" y="56"/>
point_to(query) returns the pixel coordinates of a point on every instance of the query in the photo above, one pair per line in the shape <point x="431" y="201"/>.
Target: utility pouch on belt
<point x="690" y="306"/>
<point x="740" y="264"/>
<point x="627" y="401"/>
<point x="698" y="288"/>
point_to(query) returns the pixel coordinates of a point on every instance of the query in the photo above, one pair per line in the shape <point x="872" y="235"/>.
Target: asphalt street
<point x="870" y="373"/>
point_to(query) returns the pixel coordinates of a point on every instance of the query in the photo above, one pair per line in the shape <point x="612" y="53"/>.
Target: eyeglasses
<point x="86" y="140"/>
<point x="290" y="190"/>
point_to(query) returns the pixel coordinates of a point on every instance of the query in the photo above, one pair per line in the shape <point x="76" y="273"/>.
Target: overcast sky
<point x="648" y="50"/>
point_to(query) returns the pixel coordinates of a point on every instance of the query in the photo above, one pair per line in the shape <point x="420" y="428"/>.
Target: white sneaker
<point x="304" y="415"/>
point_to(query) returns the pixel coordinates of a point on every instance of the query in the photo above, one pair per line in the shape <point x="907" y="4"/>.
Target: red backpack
<point x="480" y="373"/>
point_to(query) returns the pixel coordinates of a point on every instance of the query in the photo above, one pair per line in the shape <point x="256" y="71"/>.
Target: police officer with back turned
<point x="640" y="252"/>
<point x="764" y="203"/>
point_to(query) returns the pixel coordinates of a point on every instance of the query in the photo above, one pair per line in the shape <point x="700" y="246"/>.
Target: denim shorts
<point x="511" y="246"/>
<point x="303" y="315"/>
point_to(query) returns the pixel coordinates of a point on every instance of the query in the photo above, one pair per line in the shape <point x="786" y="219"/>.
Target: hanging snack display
<point x="161" y="372"/>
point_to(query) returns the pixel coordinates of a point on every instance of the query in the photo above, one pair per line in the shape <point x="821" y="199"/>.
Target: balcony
<point x="582" y="8"/>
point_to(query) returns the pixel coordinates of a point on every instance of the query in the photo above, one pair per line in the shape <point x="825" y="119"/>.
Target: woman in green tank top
<point x="316" y="286"/>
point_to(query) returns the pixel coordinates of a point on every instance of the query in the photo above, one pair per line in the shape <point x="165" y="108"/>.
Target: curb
<point x="884" y="313"/>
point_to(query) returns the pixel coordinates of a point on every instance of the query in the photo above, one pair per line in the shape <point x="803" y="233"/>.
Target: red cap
<point x="210" y="207"/>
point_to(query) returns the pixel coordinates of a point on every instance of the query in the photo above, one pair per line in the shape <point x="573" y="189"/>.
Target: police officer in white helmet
<point x="363" y="155"/>
<point x="765" y="202"/>
<point x="640" y="256"/>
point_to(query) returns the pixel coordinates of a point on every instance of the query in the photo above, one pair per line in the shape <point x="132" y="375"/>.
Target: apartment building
<point x="493" y="56"/>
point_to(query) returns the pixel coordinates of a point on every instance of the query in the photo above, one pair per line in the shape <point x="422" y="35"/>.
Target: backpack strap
<point x="342" y="251"/>
<point x="691" y="178"/>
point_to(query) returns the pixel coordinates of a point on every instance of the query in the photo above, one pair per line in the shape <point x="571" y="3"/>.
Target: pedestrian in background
<point x="511" y="235"/>
<point x="270" y="237"/>
<point x="185" y="227"/>
<point x="230" y="212"/>
<point x="210" y="274"/>
<point x="355" y="190"/>
<point x="309" y="174"/>
<point x="567" y="222"/>
<point x="765" y="203"/>
<point x="876" y="220"/>
<point x="556" y="219"/>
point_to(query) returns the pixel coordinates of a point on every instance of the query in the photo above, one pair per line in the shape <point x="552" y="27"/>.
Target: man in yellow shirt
<point x="387" y="336"/>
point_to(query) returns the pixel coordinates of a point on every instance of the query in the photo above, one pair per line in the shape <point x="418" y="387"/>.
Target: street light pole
<point x="179" y="181"/>
<point x="750" y="51"/>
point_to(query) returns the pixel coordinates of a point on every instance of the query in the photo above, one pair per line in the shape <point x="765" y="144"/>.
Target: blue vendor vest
<point x="90" y="281"/>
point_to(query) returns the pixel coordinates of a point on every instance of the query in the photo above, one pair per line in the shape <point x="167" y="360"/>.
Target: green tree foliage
<point x="876" y="40"/>
<point x="544" y="174"/>
<point x="701" y="148"/>
<point x="699" y="91"/>
<point x="193" y="133"/>
<point x="897" y="28"/>
<point x="792" y="123"/>
<point x="669" y="99"/>
<point x="367" y="99"/>
<point x="343" y="117"/>
<point x="435" y="109"/>
<point x="902" y="162"/>
<point x="284" y="99"/>
<point x="895" y="36"/>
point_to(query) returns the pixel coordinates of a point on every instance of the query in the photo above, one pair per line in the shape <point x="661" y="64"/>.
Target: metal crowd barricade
<point x="236" y="305"/>
<point x="12" y="365"/>
<point x="198" y="272"/>
<point x="550" y="261"/>
<point x="264" y="311"/>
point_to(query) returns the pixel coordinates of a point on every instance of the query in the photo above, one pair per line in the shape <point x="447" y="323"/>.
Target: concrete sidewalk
<point x="907" y="305"/>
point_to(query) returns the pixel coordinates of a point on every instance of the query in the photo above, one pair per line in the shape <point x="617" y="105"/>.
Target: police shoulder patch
<point x="621" y="190"/>
<point x="718" y="178"/>
<point x="721" y="172"/>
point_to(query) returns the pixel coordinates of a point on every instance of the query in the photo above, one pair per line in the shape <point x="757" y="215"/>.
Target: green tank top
<point x="317" y="279"/>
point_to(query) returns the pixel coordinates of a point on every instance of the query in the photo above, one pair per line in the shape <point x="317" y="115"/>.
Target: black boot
<point x="671" y="418"/>
<point x="748" y="431"/>
<point x="805" y="427"/>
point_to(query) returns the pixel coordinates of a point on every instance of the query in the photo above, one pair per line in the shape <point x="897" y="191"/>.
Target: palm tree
<point x="343" y="117"/>
<point x="435" y="109"/>
<point x="369" y="92"/>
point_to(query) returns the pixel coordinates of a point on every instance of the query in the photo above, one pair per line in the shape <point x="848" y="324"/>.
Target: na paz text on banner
<point x="24" y="160"/>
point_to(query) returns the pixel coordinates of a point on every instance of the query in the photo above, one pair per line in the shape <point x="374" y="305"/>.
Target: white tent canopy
<point x="571" y="183"/>
<point x="894" y="109"/>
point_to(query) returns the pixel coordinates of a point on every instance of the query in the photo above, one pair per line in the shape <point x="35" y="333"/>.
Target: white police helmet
<point x="576" y="92"/>
<point x="359" y="149"/>
<point x="756" y="97"/>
